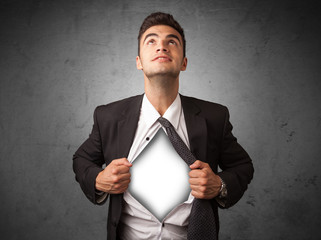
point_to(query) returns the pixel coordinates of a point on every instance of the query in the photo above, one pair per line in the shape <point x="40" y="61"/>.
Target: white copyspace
<point x="159" y="177"/>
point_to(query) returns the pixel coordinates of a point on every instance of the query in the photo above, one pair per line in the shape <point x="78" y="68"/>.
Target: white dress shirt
<point x="136" y="221"/>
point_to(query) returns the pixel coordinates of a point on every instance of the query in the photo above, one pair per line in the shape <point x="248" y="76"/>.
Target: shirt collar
<point x="150" y="115"/>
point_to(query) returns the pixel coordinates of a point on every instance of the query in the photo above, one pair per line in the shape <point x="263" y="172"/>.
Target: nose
<point x="162" y="47"/>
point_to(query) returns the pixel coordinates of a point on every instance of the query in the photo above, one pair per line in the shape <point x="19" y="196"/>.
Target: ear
<point x="138" y="63"/>
<point x="184" y="64"/>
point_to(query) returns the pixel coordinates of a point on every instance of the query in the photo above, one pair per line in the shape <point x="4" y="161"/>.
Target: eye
<point x="172" y="42"/>
<point x="150" y="42"/>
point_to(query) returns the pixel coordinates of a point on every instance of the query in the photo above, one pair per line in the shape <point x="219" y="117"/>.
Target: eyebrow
<point x="168" y="36"/>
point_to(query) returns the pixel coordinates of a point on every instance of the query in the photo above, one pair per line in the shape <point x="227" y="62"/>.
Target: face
<point x="161" y="52"/>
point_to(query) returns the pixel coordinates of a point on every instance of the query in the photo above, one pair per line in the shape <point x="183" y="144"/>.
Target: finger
<point x="120" y="169"/>
<point x="197" y="173"/>
<point x="122" y="161"/>
<point x="200" y="195"/>
<point x="119" y="188"/>
<point x="197" y="194"/>
<point x="124" y="177"/>
<point x="197" y="182"/>
<point x="199" y="189"/>
<point x="121" y="178"/>
<point x="121" y="185"/>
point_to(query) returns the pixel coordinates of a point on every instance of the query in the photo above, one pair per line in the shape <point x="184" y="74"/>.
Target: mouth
<point x="162" y="59"/>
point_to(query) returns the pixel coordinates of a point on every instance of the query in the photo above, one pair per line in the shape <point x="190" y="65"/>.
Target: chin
<point x="162" y="75"/>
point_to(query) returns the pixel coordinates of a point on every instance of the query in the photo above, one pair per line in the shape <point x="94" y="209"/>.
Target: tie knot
<point x="165" y="123"/>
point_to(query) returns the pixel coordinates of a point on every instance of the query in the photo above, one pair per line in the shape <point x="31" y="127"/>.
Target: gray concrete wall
<point x="60" y="59"/>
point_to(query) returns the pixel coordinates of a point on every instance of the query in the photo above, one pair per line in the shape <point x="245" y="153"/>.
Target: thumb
<point x="198" y="165"/>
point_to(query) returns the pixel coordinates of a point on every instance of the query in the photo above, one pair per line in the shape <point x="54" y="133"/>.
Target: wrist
<point x="223" y="190"/>
<point x="97" y="183"/>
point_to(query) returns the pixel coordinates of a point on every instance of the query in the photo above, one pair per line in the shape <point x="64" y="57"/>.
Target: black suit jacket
<point x="210" y="137"/>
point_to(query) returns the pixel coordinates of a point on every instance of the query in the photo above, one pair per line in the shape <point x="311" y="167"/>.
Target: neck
<point x="161" y="93"/>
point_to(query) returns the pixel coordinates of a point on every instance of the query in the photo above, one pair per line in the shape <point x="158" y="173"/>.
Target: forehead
<point x="161" y="31"/>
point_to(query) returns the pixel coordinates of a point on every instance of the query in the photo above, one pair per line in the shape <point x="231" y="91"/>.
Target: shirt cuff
<point x="100" y="196"/>
<point x="221" y="202"/>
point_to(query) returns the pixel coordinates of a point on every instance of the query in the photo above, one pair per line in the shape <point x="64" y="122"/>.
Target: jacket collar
<point x="195" y="124"/>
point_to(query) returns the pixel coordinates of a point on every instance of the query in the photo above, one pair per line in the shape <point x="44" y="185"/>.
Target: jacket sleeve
<point x="236" y="165"/>
<point x="88" y="161"/>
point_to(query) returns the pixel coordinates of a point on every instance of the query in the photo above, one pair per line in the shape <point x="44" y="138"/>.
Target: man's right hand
<point x="114" y="179"/>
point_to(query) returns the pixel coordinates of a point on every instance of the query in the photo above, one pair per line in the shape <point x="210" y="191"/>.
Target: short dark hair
<point x="159" y="18"/>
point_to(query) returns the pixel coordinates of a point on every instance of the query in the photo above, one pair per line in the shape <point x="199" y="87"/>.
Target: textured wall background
<point x="60" y="59"/>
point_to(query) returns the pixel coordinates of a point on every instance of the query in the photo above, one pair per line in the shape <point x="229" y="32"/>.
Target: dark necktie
<point x="202" y="220"/>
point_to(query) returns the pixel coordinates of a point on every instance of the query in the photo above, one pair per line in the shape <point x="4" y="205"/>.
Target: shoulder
<point x="205" y="107"/>
<point x="120" y="104"/>
<point x="117" y="108"/>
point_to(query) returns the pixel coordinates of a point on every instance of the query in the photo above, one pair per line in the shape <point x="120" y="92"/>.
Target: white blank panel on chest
<point x="159" y="177"/>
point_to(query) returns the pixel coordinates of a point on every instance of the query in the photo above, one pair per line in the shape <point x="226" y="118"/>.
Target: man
<point x="120" y="132"/>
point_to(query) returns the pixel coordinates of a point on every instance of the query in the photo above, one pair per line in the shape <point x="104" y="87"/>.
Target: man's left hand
<point x="205" y="184"/>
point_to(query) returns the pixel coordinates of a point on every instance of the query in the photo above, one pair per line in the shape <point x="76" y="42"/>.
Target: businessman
<point x="122" y="129"/>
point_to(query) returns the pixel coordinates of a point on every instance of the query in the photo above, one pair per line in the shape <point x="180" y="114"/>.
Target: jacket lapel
<point x="127" y="125"/>
<point x="196" y="128"/>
